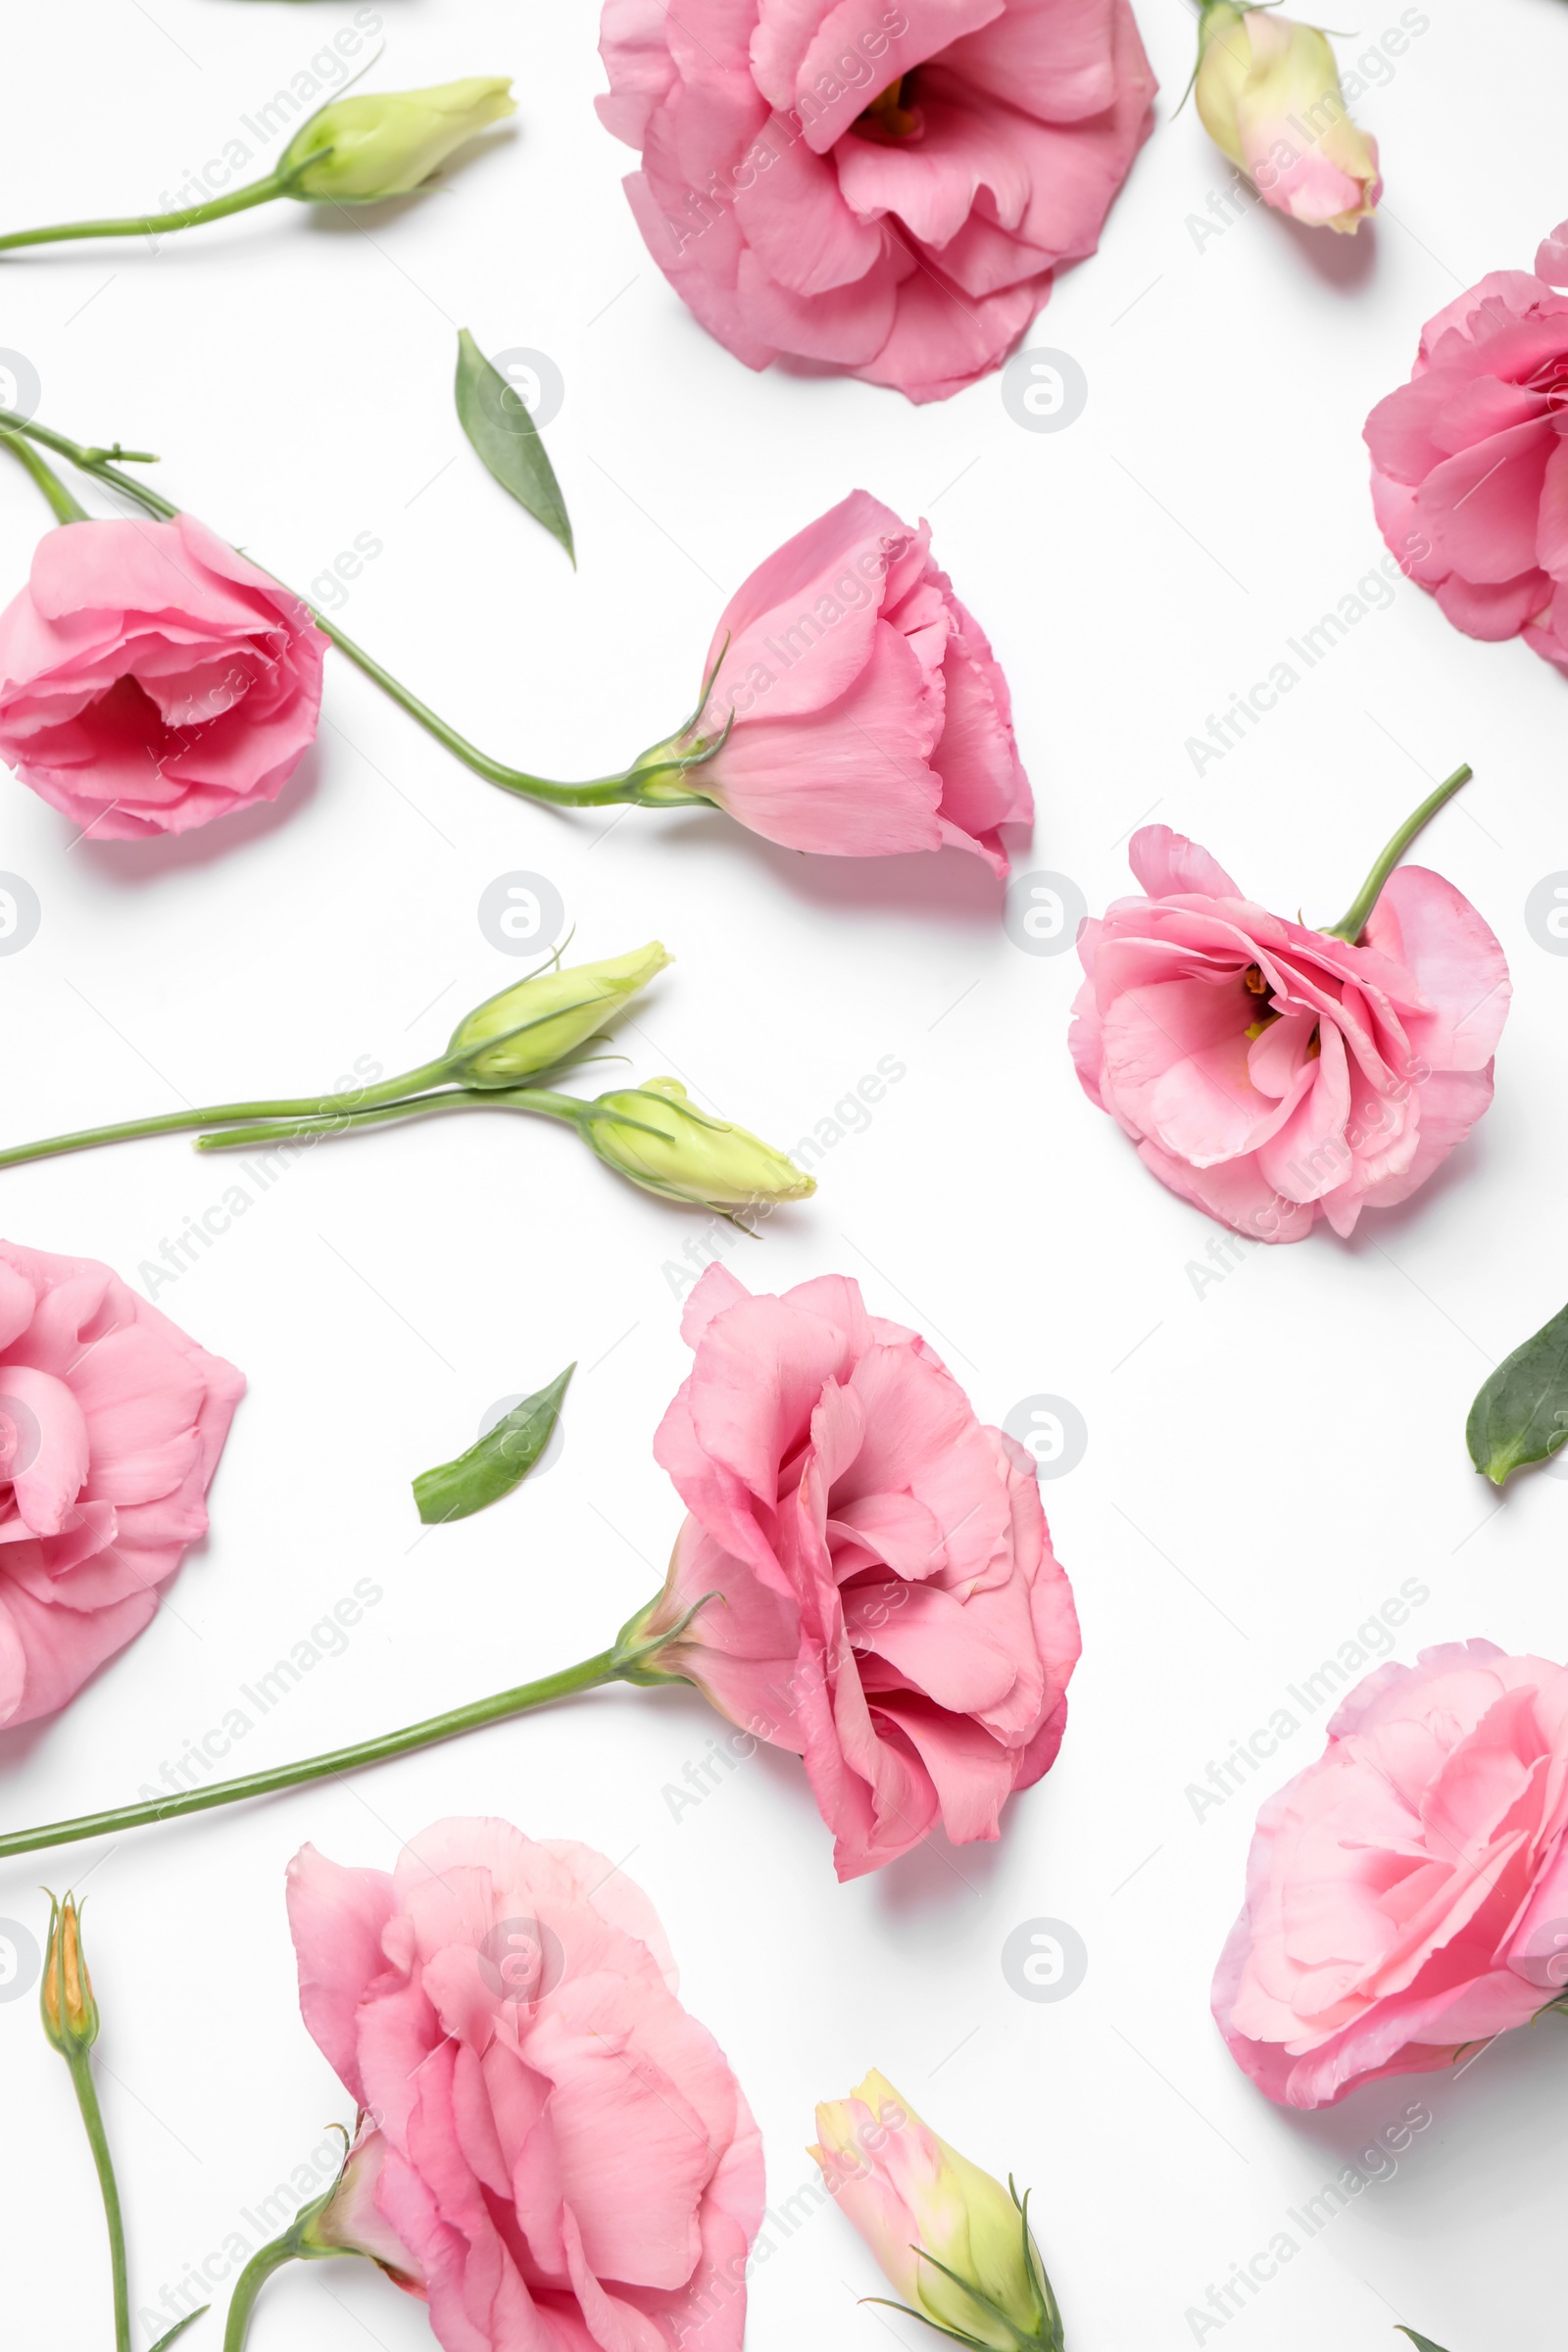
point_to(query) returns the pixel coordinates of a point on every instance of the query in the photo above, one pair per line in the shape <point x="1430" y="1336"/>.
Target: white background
<point x="1266" y="1461"/>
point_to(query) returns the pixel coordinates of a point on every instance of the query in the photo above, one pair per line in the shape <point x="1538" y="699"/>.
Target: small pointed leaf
<point x="179" y="2327"/>
<point x="498" y="423"/>
<point x="501" y="1460"/>
<point x="1521" y="1413"/>
<point x="1422" y="2344"/>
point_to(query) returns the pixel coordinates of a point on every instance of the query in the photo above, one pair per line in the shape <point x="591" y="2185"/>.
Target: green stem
<point x="602" y="793"/>
<point x="645" y="784"/>
<point x="176" y="1122"/>
<point x="250" y="2282"/>
<point x="81" y="2063"/>
<point x="617" y="1664"/>
<point x="156" y="224"/>
<point x="62" y="505"/>
<point x="547" y="1106"/>
<point x="1352" y="923"/>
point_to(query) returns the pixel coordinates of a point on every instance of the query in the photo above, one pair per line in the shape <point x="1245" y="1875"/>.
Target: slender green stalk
<point x="621" y="1663"/>
<point x="536" y="1098"/>
<point x="62" y="505"/>
<point x="79" y="2062"/>
<point x="251" y="2281"/>
<point x="1352" y="923"/>
<point x="656" y="779"/>
<point x="332" y="1109"/>
<point x="157" y="225"/>
<point x="602" y="793"/>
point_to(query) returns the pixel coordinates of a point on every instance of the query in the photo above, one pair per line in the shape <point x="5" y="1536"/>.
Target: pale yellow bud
<point x="386" y="144"/>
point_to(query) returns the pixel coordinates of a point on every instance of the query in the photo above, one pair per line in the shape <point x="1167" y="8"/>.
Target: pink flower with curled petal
<point x="1407" y="1894"/>
<point x="869" y="1567"/>
<point x="1469" y="464"/>
<point x="152" y="679"/>
<point x="866" y="712"/>
<point x="1274" y="1075"/>
<point x="885" y="185"/>
<point x="552" y="2152"/>
<point x="111" y="1425"/>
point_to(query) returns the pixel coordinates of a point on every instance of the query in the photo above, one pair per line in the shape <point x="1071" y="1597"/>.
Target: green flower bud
<point x="70" y="2012"/>
<point x="663" y="1142"/>
<point x="387" y="145"/>
<point x="535" y="1024"/>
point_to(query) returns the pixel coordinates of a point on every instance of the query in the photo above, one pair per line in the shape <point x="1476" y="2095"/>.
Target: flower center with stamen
<point x="888" y="117"/>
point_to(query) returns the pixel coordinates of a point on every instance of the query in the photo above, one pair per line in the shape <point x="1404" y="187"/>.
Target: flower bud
<point x="1270" y="96"/>
<point x="535" y="1024"/>
<point x="663" y="1142"/>
<point x="387" y="144"/>
<point x="953" y="2242"/>
<point x="70" y="2012"/>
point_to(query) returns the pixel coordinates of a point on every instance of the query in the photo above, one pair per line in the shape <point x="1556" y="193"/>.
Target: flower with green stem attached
<point x="69" y="2013"/>
<point x="351" y="151"/>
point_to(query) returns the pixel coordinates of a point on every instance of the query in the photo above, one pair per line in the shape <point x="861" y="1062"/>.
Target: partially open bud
<point x="654" y="1134"/>
<point x="1270" y="96"/>
<point x="70" y="2012"/>
<point x="348" y="2220"/>
<point x="953" y="2242"/>
<point x="387" y="145"/>
<point x="537" y="1023"/>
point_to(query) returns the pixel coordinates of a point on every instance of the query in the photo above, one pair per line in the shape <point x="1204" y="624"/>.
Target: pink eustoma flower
<point x="1272" y="1074"/>
<point x="884" y="185"/>
<point x="152" y="679"/>
<point x="552" y="2152"/>
<point x="1409" y="1892"/>
<point x="877" y="1584"/>
<point x="1469" y="464"/>
<point x="111" y="1425"/>
<point x="866" y="712"/>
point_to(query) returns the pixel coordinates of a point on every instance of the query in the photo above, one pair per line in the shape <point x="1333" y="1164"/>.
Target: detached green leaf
<point x="501" y="1460"/>
<point x="1422" y="2344"/>
<point x="1521" y="1413"/>
<point x="179" y="2327"/>
<point x="506" y="438"/>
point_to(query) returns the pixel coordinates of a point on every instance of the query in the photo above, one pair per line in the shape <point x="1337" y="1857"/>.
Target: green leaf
<point x="179" y="2327"/>
<point x="498" y="425"/>
<point x="1521" y="1413"/>
<point x="501" y="1460"/>
<point x="1422" y="2344"/>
